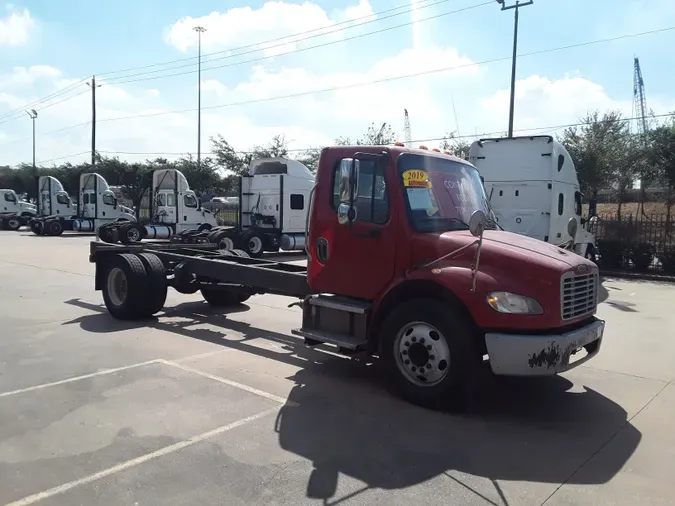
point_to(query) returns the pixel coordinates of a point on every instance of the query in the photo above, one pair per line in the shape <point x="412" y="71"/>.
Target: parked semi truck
<point x="533" y="189"/>
<point x="97" y="206"/>
<point x="273" y="207"/>
<point x="14" y="212"/>
<point x="402" y="265"/>
<point x="172" y="206"/>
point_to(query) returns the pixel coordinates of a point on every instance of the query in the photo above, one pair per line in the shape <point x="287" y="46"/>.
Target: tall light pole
<point x="199" y="30"/>
<point x="33" y="115"/>
<point x="517" y="7"/>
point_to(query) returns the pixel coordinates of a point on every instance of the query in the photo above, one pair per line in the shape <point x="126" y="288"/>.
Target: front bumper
<point x="542" y="355"/>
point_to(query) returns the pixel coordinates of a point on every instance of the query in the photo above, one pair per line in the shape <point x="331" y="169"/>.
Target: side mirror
<point x="348" y="190"/>
<point x="115" y="204"/>
<point x="349" y="180"/>
<point x="346" y="214"/>
<point x="477" y="223"/>
<point x="572" y="226"/>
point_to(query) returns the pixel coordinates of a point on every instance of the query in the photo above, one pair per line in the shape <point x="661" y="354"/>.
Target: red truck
<point x="405" y="263"/>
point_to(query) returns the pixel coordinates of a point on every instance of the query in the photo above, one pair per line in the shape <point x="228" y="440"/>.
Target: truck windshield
<point x="441" y="194"/>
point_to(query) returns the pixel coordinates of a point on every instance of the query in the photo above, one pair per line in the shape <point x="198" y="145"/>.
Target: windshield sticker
<point x="416" y="178"/>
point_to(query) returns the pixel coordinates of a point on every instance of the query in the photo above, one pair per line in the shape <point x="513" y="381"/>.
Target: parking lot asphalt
<point x="204" y="406"/>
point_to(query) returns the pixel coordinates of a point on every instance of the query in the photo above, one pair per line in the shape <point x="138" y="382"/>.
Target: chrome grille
<point x="578" y="295"/>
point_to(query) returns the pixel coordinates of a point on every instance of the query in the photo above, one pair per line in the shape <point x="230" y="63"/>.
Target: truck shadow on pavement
<point x="340" y="418"/>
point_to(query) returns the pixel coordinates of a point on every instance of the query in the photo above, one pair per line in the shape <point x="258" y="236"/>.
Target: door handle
<point x="322" y="249"/>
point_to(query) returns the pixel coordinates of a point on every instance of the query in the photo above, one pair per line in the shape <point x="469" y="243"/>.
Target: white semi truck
<point x="534" y="191"/>
<point x="173" y="208"/>
<point x="273" y="208"/>
<point x="14" y="212"/>
<point x="97" y="206"/>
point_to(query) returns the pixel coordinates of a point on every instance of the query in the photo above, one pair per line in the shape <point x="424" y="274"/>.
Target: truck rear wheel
<point x="36" y="227"/>
<point x="224" y="298"/>
<point x="131" y="233"/>
<point x="252" y="243"/>
<point x="428" y="355"/>
<point x="54" y="227"/>
<point x="125" y="287"/>
<point x="157" y="284"/>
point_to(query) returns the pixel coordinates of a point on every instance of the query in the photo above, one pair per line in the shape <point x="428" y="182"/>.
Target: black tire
<point x="223" y="298"/>
<point x="54" y="227"/>
<point x="252" y="243"/>
<point x="458" y="386"/>
<point x="13" y="223"/>
<point x="157" y="284"/>
<point x="36" y="227"/>
<point x="131" y="233"/>
<point x="128" y="302"/>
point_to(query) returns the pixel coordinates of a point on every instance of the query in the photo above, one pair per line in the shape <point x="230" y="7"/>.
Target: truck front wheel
<point x="428" y="355"/>
<point x="13" y="223"/>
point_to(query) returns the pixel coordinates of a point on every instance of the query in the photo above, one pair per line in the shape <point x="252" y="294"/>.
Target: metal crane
<point x="406" y="128"/>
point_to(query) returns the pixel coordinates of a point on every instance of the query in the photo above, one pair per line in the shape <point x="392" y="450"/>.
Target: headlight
<point x="511" y="303"/>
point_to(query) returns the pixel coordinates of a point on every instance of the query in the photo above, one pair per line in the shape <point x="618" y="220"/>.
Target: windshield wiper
<point x="444" y="219"/>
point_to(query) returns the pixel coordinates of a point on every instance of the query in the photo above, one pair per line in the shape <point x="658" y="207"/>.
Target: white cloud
<point x="27" y="76"/>
<point x="541" y="101"/>
<point x="15" y="28"/>
<point x="241" y="26"/>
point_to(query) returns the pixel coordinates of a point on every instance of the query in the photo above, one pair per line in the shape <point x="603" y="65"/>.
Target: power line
<point x="124" y="79"/>
<point x="194" y="58"/>
<point x="409" y="144"/>
<point x="431" y="139"/>
<point x="46" y="106"/>
<point x="36" y="103"/>
<point x="377" y="81"/>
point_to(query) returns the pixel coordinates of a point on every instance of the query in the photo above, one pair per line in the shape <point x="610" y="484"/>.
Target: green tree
<point x="597" y="148"/>
<point x="661" y="155"/>
<point x="374" y="136"/>
<point x="458" y="147"/>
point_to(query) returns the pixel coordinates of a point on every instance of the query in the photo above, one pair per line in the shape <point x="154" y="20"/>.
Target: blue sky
<point x="78" y="38"/>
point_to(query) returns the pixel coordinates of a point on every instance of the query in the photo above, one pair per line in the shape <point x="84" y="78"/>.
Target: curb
<point x="637" y="276"/>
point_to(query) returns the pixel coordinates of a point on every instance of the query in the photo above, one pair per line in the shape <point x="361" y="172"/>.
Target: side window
<point x="297" y="202"/>
<point x="9" y="197"/>
<point x="373" y="203"/>
<point x="108" y="199"/>
<point x="62" y="199"/>
<point x="85" y="198"/>
<point x="190" y="200"/>
<point x="577" y="203"/>
<point x="561" y="204"/>
<point x="171" y="199"/>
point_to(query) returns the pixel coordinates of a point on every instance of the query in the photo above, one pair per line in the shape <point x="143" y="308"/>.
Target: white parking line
<point x="231" y="383"/>
<point x="31" y="499"/>
<point x="77" y="378"/>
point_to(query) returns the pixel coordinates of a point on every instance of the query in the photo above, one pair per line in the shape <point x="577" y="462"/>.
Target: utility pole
<point x="199" y="30"/>
<point x="517" y="7"/>
<point x="93" y="87"/>
<point x="33" y="115"/>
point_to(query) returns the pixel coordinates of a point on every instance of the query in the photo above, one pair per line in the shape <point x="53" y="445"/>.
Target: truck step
<point x="340" y="303"/>
<point x="314" y="337"/>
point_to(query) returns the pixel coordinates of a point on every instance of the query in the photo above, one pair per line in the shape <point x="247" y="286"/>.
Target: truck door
<point x="165" y="205"/>
<point x="354" y="259"/>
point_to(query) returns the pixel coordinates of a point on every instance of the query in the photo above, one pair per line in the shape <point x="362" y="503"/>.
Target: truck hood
<point x="27" y="206"/>
<point x="499" y="247"/>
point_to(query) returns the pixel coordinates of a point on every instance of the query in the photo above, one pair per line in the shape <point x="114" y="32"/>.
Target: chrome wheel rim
<point x="117" y="286"/>
<point x="422" y="354"/>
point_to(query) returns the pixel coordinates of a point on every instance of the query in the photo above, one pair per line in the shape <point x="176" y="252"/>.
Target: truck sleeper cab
<point x="404" y="263"/>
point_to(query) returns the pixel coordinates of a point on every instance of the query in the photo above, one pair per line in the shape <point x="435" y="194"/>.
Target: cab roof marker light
<point x="436" y="150"/>
<point x="423" y="147"/>
<point x="399" y="143"/>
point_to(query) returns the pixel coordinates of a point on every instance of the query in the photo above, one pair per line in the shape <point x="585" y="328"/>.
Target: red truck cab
<point x="407" y="263"/>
